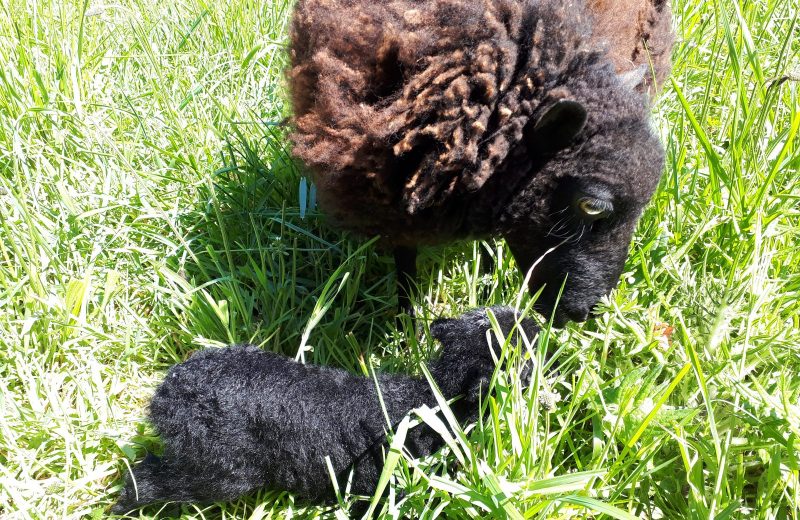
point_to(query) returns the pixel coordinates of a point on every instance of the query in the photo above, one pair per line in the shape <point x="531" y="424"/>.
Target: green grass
<point x="148" y="208"/>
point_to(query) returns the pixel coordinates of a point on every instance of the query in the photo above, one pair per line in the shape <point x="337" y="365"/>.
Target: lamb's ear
<point x="478" y="389"/>
<point x="441" y="328"/>
<point x="558" y="126"/>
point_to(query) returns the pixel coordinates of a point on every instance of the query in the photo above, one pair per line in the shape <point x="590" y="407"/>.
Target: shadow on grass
<point x="260" y="265"/>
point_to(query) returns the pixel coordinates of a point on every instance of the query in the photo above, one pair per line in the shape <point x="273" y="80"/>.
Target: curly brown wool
<point x="430" y="121"/>
<point x="638" y="33"/>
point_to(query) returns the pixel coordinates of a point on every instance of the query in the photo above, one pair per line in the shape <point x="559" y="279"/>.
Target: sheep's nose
<point x="563" y="316"/>
<point x="562" y="312"/>
<point x="578" y="315"/>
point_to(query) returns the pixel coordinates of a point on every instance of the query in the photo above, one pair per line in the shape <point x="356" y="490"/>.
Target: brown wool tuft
<point x="638" y="32"/>
<point x="405" y="109"/>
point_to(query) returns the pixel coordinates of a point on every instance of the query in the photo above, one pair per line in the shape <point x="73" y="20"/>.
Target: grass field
<point x="148" y="208"/>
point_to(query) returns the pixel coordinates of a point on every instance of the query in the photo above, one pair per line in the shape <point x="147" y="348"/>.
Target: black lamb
<point x="239" y="418"/>
<point x="432" y="121"/>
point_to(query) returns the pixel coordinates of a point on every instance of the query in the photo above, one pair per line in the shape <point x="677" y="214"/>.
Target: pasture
<point x="149" y="207"/>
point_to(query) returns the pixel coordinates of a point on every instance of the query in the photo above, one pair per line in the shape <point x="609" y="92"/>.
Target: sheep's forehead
<point x="628" y="165"/>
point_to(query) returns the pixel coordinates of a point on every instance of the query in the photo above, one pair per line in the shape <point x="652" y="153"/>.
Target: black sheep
<point x="429" y="122"/>
<point x="236" y="419"/>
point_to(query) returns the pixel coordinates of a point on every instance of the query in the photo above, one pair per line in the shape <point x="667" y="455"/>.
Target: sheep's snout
<point x="563" y="316"/>
<point x="561" y="313"/>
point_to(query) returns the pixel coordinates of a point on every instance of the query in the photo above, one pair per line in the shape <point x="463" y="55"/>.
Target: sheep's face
<point x="589" y="194"/>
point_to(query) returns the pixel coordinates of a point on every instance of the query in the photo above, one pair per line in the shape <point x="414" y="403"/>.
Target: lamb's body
<point x="239" y="418"/>
<point x="428" y="122"/>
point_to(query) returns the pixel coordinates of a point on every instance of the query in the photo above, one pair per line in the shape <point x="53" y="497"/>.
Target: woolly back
<point x="404" y="109"/>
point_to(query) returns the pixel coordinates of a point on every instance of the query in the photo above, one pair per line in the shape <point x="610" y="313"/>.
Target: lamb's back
<point x="252" y="411"/>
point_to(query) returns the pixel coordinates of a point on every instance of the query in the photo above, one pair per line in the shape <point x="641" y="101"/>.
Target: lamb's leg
<point x="161" y="480"/>
<point x="405" y="262"/>
<point x="150" y="482"/>
<point x="487" y="268"/>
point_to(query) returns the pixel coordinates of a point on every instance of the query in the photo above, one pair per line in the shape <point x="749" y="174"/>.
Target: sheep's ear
<point x="558" y="126"/>
<point x="633" y="79"/>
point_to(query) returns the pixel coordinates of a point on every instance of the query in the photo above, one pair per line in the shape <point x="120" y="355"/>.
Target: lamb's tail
<point x="145" y="486"/>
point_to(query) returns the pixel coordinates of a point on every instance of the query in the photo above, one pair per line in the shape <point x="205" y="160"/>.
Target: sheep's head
<point x="468" y="357"/>
<point x="599" y="164"/>
<point x="426" y="122"/>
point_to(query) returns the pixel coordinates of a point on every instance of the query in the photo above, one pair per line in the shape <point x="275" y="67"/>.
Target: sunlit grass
<point x="148" y="208"/>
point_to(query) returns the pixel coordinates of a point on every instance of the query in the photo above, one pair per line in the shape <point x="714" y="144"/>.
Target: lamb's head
<point x="571" y="224"/>
<point x="470" y="348"/>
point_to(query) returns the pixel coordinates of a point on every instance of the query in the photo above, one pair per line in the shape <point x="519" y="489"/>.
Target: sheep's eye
<point x="594" y="208"/>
